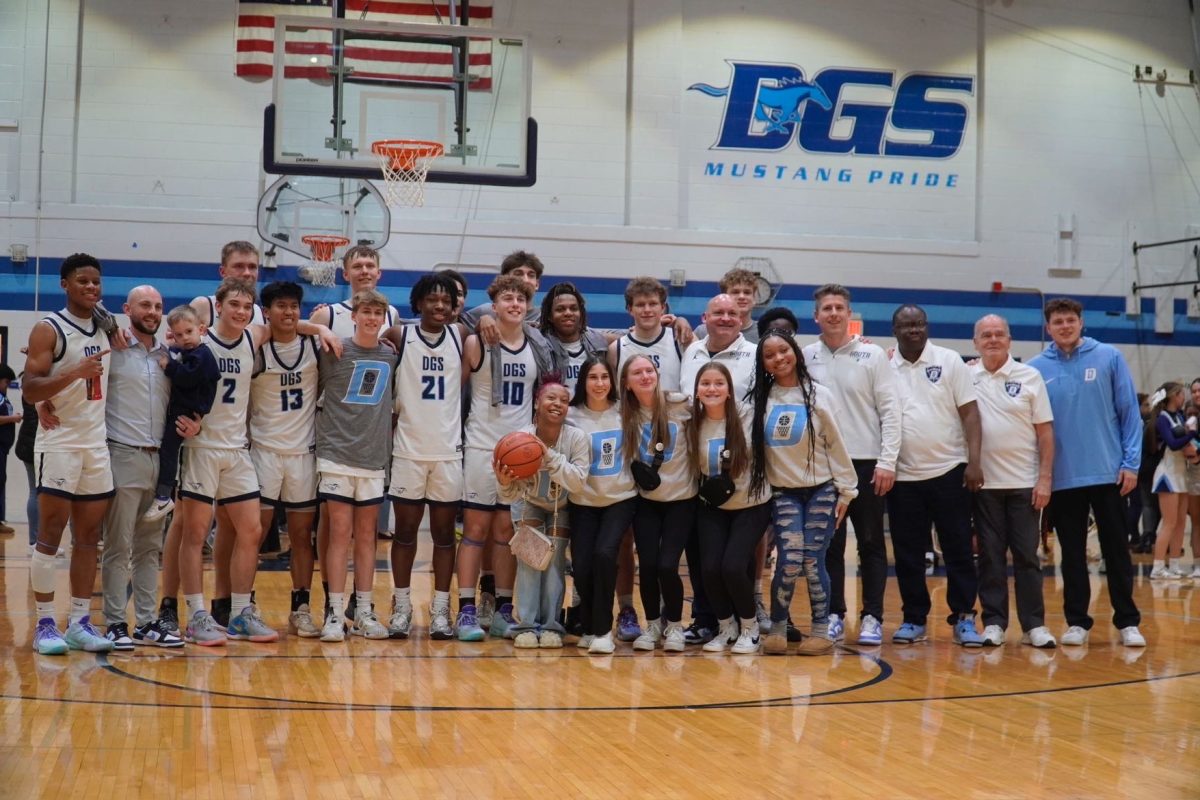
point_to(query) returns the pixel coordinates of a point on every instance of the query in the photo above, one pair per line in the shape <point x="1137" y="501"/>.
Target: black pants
<point x="727" y="542"/>
<point x="168" y="458"/>
<point x="1005" y="520"/>
<point x="3" y="480"/>
<point x="912" y="507"/>
<point x="1069" y="511"/>
<point x="660" y="533"/>
<point x="702" y="610"/>
<point x="866" y="512"/>
<point x="596" y="535"/>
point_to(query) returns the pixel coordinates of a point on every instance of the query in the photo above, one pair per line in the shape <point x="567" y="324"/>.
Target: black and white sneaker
<point x="118" y="634"/>
<point x="698" y="634"/>
<point x="154" y="634"/>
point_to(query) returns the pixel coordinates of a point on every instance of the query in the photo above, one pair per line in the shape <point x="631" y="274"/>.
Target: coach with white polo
<point x="723" y="343"/>
<point x="938" y="467"/>
<point x="1014" y="410"/>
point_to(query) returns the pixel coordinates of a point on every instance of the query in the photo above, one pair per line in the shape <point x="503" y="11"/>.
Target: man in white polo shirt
<point x="859" y="376"/>
<point x="937" y="468"/>
<point x="1014" y="411"/>
<point x="725" y="343"/>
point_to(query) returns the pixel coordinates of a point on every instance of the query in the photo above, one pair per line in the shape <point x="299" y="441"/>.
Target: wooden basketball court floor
<point x="420" y="718"/>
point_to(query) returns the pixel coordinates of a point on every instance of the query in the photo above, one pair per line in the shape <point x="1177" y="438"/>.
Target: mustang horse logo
<point x="778" y="106"/>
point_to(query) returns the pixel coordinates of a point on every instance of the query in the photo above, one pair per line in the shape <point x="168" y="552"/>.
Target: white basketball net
<point x="404" y="174"/>
<point x="320" y="273"/>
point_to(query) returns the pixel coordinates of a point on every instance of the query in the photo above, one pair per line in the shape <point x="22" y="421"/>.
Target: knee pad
<point x="41" y="572"/>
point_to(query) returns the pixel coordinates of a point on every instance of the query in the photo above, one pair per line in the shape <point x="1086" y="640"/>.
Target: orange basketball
<point x="521" y="452"/>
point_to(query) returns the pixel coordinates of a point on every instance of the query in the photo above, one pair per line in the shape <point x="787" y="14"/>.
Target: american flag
<point x="369" y="58"/>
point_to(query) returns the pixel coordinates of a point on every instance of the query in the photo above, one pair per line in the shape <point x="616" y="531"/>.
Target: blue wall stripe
<point x="952" y="314"/>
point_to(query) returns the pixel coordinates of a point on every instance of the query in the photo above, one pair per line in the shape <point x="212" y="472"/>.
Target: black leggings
<point x="660" y="532"/>
<point x="727" y="542"/>
<point x="596" y="535"/>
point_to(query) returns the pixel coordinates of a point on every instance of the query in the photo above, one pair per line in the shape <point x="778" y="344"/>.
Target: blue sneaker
<point x="909" y="633"/>
<point x="82" y="635"/>
<point x="248" y="626"/>
<point x="466" y="626"/>
<point x="47" y="639"/>
<point x="502" y="620"/>
<point x="965" y="633"/>
<point x="837" y="628"/>
<point x="870" y="631"/>
<point x="628" y="628"/>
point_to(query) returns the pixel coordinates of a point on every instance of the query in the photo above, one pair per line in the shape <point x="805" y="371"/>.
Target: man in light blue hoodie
<point x="1097" y="449"/>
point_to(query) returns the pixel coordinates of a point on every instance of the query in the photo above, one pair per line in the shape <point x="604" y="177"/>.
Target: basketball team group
<point x="563" y="450"/>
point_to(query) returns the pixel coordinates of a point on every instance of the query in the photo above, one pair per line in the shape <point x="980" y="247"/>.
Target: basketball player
<point x="427" y="448"/>
<point x="353" y="446"/>
<point x="501" y="401"/>
<point x="564" y="324"/>
<point x="239" y="261"/>
<point x="216" y="466"/>
<point x="646" y="302"/>
<point x="65" y="364"/>
<point x="360" y="269"/>
<point x="283" y="405"/>
<point x="482" y="318"/>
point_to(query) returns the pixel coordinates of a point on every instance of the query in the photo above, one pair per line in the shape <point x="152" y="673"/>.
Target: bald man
<point x="1018" y="463"/>
<point x="138" y="390"/>
<point x="726" y="343"/>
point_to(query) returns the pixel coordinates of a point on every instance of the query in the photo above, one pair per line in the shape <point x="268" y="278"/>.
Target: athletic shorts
<point x="351" y="485"/>
<point x="480" y="489"/>
<point x="225" y="475"/>
<point x="75" y="474"/>
<point x="426" y="481"/>
<point x="286" y="479"/>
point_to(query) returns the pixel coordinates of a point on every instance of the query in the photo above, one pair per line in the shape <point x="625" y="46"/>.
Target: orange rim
<point x="323" y="245"/>
<point x="404" y="153"/>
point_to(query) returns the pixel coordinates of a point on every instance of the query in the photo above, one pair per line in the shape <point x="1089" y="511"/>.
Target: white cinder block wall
<point x="147" y="147"/>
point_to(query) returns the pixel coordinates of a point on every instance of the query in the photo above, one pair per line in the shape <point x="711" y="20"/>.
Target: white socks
<point x="238" y="603"/>
<point x="441" y="599"/>
<point x="194" y="603"/>
<point x="402" y="598"/>
<point x="79" y="609"/>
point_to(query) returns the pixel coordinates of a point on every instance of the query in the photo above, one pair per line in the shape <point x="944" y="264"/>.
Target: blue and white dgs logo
<point x="769" y="106"/>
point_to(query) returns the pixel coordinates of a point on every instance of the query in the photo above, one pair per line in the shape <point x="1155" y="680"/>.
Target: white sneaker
<point x="651" y="636"/>
<point x="674" y="640"/>
<point x="334" y="629"/>
<point x="159" y="508"/>
<point x="727" y="634"/>
<point x="368" y="626"/>
<point x="400" y="624"/>
<point x="1040" y="637"/>
<point x="993" y="635"/>
<point x="1160" y="574"/>
<point x="440" y="627"/>
<point x="300" y="623"/>
<point x="1196" y="570"/>
<point x="1075" y="637"/>
<point x="526" y="640"/>
<point x="1132" y="637"/>
<point x="747" y="641"/>
<point x="602" y="645"/>
<point x="550" y="640"/>
<point x="1179" y="573"/>
<point x="585" y="641"/>
<point x="870" y="631"/>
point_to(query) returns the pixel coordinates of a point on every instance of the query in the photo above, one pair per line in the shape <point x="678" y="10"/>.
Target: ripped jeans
<point x="803" y="520"/>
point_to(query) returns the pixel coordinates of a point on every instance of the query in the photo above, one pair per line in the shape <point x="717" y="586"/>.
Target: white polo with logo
<point x="1011" y="401"/>
<point x="860" y="378"/>
<point x="931" y="392"/>
<point x="738" y="358"/>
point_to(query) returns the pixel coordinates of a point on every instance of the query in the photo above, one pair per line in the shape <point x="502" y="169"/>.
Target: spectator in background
<point x="1142" y="504"/>
<point x="24" y="448"/>
<point x="8" y="434"/>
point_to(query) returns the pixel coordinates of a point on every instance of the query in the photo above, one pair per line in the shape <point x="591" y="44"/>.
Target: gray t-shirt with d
<point x="354" y="427"/>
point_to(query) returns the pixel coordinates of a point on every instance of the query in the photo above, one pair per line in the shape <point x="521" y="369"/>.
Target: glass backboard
<point x="341" y="84"/>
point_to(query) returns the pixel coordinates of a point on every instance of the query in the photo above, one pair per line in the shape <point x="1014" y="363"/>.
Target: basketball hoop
<point x="405" y="163"/>
<point x="322" y="270"/>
